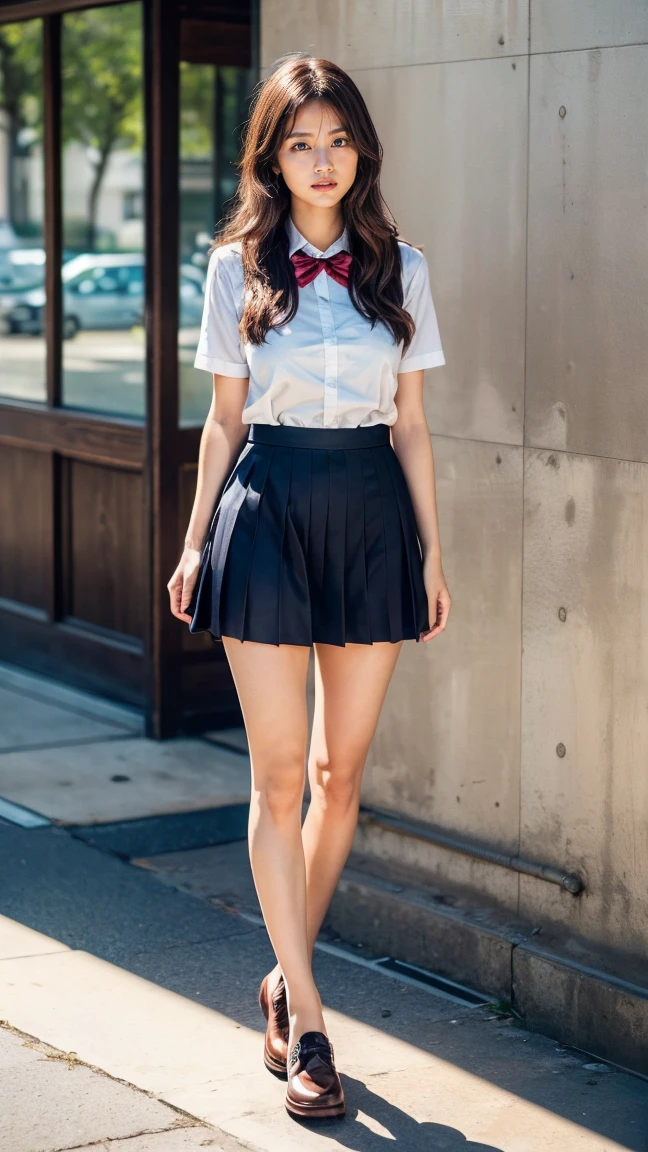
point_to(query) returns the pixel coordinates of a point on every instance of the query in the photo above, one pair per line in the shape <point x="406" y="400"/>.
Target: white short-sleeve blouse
<point x="327" y="367"/>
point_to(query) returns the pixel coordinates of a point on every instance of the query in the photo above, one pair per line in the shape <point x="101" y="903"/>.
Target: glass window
<point x="103" y="228"/>
<point x="22" y="202"/>
<point x="213" y="109"/>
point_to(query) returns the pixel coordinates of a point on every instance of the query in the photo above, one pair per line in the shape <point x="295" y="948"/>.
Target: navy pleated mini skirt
<point x="313" y="540"/>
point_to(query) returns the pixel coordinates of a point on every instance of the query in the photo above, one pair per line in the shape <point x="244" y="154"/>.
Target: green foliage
<point x="504" y="1009"/>
<point x="21" y="69"/>
<point x="196" y="111"/>
<point x="102" y="78"/>
<point x="102" y="105"/>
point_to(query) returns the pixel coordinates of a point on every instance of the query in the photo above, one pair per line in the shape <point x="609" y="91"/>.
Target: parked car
<point x="100" y="291"/>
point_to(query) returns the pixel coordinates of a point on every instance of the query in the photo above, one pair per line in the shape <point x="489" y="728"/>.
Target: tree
<point x="20" y="96"/>
<point x="102" y="88"/>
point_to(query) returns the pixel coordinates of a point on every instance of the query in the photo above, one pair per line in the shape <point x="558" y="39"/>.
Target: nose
<point x="322" y="160"/>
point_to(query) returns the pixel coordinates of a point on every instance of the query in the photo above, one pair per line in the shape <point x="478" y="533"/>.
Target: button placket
<point x="329" y="340"/>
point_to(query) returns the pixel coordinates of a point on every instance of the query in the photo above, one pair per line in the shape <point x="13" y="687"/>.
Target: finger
<point x="438" y="623"/>
<point x="187" y="592"/>
<point x="175" y="593"/>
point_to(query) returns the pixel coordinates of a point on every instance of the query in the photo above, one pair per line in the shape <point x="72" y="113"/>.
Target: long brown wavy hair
<point x="262" y="203"/>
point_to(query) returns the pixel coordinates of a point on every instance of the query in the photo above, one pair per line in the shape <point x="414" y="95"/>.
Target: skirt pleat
<point x="356" y="592"/>
<point x="319" y="510"/>
<point x="414" y="594"/>
<point x="313" y="540"/>
<point x="377" y="590"/>
<point x="230" y="505"/>
<point x="238" y="569"/>
<point x="332" y="594"/>
<point x="294" y="591"/>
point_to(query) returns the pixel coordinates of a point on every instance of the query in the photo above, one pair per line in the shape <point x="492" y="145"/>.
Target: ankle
<point x="307" y="1018"/>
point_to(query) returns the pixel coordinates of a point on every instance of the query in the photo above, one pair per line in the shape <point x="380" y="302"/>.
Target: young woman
<point x="314" y="522"/>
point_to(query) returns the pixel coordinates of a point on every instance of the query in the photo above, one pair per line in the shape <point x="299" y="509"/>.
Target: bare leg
<point x="350" y="688"/>
<point x="271" y="685"/>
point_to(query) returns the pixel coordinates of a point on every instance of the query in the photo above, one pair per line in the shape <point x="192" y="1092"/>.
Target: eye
<point x="298" y="146"/>
<point x="340" y="140"/>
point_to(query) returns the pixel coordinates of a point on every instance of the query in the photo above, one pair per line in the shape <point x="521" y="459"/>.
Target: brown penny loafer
<point x="314" y="1087"/>
<point x="275" y="1010"/>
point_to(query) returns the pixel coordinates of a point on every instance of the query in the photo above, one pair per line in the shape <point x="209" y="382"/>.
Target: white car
<point x="100" y="291"/>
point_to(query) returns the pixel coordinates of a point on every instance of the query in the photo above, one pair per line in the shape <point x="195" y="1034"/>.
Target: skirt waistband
<point x="294" y="436"/>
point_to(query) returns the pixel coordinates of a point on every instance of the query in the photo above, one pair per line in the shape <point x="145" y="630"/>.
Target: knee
<point x="279" y="787"/>
<point x="335" y="780"/>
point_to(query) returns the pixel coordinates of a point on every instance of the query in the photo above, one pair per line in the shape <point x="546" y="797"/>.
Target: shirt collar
<point x="296" y="241"/>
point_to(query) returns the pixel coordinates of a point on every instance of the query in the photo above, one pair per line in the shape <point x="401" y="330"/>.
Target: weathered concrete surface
<point x="386" y="35"/>
<point x="580" y="1006"/>
<point x="174" y="1012"/>
<point x="587" y="355"/>
<point x="463" y="126"/>
<point x="76" y="784"/>
<point x="559" y="986"/>
<point x="29" y="722"/>
<point x="222" y="875"/>
<point x="584" y="786"/>
<point x="426" y="929"/>
<point x="77" y="759"/>
<point x="79" y="897"/>
<point x="17" y="940"/>
<point x="180" y="1141"/>
<point x="68" y="703"/>
<point x="50" y="1101"/>
<point x="557" y="27"/>
<point x="447" y="747"/>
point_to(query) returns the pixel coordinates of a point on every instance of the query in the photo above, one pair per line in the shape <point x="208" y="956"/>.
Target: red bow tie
<point x="307" y="267"/>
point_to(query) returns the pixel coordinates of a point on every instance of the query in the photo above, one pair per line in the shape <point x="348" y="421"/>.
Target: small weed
<point x="503" y="1008"/>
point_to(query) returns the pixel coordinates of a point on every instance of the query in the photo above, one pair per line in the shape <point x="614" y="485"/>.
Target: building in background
<point x="504" y="833"/>
<point x="119" y="131"/>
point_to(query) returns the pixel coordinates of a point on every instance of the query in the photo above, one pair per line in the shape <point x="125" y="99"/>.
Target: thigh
<point x="350" y="686"/>
<point x="270" y="681"/>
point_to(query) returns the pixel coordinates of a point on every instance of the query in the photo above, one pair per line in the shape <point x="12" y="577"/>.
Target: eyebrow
<point x="331" y="133"/>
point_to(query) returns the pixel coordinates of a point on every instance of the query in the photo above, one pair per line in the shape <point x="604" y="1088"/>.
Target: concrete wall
<point x="515" y="139"/>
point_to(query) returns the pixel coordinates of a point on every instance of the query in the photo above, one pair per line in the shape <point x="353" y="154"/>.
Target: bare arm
<point x="413" y="446"/>
<point x="220" y="444"/>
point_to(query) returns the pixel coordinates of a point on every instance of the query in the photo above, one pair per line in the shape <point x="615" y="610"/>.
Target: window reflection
<point x="22" y="255"/>
<point x="103" y="225"/>
<point x="213" y="109"/>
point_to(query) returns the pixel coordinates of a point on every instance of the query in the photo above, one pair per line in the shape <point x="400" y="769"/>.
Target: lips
<point x="325" y="184"/>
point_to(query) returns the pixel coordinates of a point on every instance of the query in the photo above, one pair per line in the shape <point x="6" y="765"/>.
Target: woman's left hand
<point x="439" y="600"/>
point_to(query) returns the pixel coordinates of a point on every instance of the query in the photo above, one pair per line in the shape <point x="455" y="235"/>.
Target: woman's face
<point x="317" y="158"/>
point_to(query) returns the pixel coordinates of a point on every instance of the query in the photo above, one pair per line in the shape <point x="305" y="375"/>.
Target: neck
<point x="320" y="226"/>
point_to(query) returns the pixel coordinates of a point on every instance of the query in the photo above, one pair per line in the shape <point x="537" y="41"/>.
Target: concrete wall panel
<point x="369" y="34"/>
<point x="434" y="868"/>
<point x="557" y="25"/>
<point x="455" y="178"/>
<point x="587" y="352"/>
<point x="585" y="686"/>
<point x="447" y="746"/>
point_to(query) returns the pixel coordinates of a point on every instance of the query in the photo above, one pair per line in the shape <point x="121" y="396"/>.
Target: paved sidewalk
<point x="52" y="1102"/>
<point x="128" y="993"/>
<point x="157" y="987"/>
